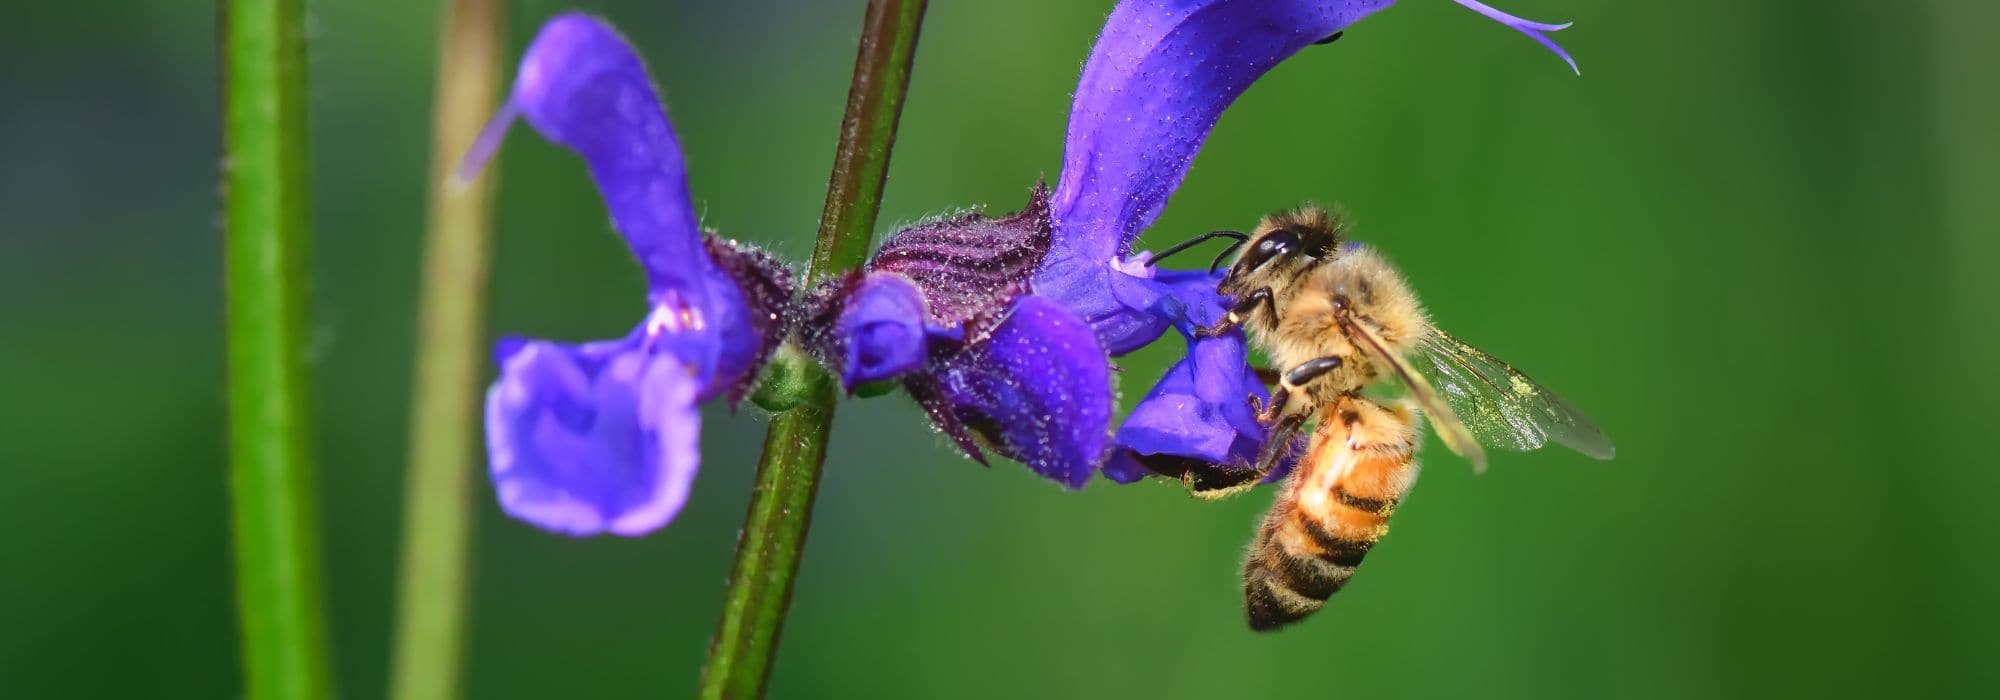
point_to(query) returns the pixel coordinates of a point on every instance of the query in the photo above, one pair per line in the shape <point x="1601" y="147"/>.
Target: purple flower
<point x="1160" y="76"/>
<point x="604" y="436"/>
<point x="945" y="308"/>
<point x="1199" y="413"/>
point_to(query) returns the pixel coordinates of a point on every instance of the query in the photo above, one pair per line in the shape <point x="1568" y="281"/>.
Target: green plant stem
<point x="267" y="234"/>
<point x="867" y="131"/>
<point x="774" y="531"/>
<point x="774" y="536"/>
<point x="444" y="408"/>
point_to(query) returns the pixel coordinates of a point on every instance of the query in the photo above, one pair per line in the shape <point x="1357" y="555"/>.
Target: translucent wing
<point x="1502" y="406"/>
<point x="1449" y="428"/>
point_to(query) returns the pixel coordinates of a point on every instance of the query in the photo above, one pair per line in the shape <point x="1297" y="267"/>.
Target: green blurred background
<point x="1754" y="240"/>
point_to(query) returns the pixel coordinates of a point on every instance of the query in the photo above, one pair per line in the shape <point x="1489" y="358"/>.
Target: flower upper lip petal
<point x="581" y="85"/>
<point x="1157" y="80"/>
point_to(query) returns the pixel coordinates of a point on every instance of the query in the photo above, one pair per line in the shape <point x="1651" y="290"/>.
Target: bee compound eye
<point x="1273" y="246"/>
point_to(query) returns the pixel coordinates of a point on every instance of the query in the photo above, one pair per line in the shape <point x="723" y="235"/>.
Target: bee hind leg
<point x="1277" y="445"/>
<point x="1214" y="482"/>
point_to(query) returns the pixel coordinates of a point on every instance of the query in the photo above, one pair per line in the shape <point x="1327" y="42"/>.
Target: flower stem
<point x="861" y="161"/>
<point x="774" y="530"/>
<point x="437" y="497"/>
<point x="266" y="221"/>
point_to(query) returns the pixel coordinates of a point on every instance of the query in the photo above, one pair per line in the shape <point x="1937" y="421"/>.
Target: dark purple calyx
<point x="971" y="265"/>
<point x="766" y="284"/>
<point x="964" y="268"/>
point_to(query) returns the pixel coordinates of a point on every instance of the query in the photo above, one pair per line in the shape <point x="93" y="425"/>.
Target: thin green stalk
<point x="774" y="530"/>
<point x="266" y="210"/>
<point x="861" y="161"/>
<point x="444" y="408"/>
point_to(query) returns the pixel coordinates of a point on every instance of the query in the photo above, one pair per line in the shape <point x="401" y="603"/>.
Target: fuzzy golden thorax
<point x="1357" y="283"/>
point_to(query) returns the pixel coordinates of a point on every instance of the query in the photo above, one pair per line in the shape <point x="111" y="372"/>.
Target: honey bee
<point x="1337" y="319"/>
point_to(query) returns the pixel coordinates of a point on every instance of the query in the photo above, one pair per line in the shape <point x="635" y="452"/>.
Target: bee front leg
<point x="1268" y="415"/>
<point x="1237" y="314"/>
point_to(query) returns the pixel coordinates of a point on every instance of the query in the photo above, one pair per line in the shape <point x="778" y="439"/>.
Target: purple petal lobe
<point x="1158" y="79"/>
<point x="1037" y="388"/>
<point x="582" y="86"/>
<point x="1199" y="413"/>
<point x="880" y="332"/>
<point x="1124" y="467"/>
<point x="1534" y="30"/>
<point x="1200" y="410"/>
<point x="593" y="438"/>
<point x="1126" y="311"/>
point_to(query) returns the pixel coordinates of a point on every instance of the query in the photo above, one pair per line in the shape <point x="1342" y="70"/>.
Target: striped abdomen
<point x="1334" y="507"/>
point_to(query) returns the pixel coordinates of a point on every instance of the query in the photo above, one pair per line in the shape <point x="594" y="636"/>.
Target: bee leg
<point x="1244" y="307"/>
<point x="1310" y="370"/>
<point x="1292" y="382"/>
<point x="1216" y="481"/>
<point x="1268" y="415"/>
<point x="1276" y="446"/>
<point x="1209" y="481"/>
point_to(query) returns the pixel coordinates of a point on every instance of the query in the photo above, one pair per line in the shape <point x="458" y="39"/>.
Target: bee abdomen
<point x="1333" y="510"/>
<point x="1295" y="565"/>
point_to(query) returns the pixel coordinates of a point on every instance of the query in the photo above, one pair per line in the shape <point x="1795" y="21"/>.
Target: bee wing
<point x="1449" y="428"/>
<point x="1505" y="408"/>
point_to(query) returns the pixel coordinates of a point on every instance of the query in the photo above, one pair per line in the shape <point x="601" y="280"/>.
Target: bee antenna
<point x="1198" y="240"/>
<point x="1224" y="255"/>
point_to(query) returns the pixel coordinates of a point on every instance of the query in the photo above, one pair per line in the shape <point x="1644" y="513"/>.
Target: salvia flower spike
<point x="1002" y="328"/>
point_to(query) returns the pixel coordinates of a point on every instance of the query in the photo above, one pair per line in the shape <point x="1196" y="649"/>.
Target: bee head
<point x="1284" y="243"/>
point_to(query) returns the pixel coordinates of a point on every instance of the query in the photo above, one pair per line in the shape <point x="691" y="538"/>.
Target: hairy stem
<point x="867" y="131"/>
<point x="774" y="531"/>
<point x="267" y="236"/>
<point x="444" y="408"/>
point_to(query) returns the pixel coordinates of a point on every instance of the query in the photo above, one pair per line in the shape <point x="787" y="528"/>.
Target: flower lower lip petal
<point x="594" y="438"/>
<point x="1037" y="387"/>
